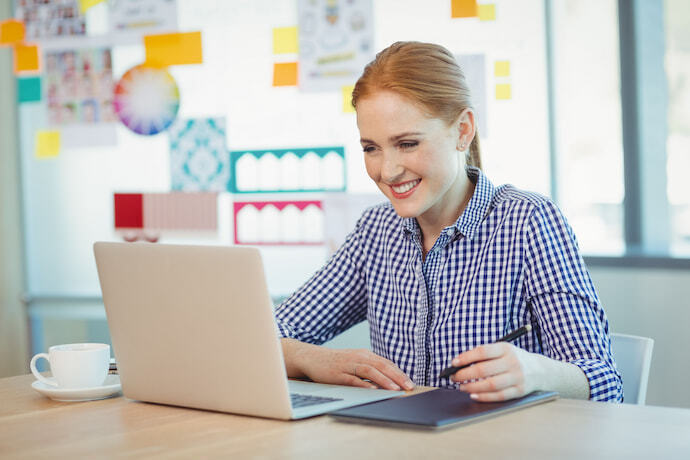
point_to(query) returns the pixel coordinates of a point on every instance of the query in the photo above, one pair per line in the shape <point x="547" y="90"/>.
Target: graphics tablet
<point x="436" y="409"/>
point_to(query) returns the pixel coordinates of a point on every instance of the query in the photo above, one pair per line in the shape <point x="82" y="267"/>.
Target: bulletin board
<point x="250" y="137"/>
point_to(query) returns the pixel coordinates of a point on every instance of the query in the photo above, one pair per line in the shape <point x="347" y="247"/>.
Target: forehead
<point x="389" y="111"/>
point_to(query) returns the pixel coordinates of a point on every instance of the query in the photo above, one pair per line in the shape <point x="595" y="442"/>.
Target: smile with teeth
<point x="406" y="187"/>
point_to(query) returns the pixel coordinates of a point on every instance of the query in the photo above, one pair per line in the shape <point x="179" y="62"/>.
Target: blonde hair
<point x="425" y="73"/>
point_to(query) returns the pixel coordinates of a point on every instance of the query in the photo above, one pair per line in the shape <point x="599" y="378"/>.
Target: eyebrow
<point x="392" y="138"/>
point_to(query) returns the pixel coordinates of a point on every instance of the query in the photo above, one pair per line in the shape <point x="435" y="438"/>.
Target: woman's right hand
<point x="360" y="368"/>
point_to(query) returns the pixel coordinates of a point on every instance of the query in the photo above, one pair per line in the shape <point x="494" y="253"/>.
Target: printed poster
<point x="336" y="41"/>
<point x="199" y="160"/>
<point x="79" y="86"/>
<point x="141" y="17"/>
<point x="47" y="19"/>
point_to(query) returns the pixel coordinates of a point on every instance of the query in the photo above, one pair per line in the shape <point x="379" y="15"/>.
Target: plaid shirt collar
<point x="474" y="213"/>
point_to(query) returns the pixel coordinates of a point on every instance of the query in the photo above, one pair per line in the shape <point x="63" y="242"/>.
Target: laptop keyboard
<point x="300" y="400"/>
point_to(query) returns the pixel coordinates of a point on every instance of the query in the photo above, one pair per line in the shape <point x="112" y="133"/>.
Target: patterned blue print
<point x="510" y="259"/>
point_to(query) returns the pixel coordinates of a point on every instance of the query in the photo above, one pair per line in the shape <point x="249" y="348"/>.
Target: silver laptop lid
<point x="193" y="326"/>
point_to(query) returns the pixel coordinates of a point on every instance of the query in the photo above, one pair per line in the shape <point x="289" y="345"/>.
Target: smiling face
<point x="415" y="159"/>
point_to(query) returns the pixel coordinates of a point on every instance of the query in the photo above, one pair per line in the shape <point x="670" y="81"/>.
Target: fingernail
<point x="474" y="395"/>
<point x="462" y="387"/>
<point x="394" y="386"/>
<point x="456" y="362"/>
<point x="409" y="385"/>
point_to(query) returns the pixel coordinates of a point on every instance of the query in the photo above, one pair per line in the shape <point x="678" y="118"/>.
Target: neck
<point x="448" y="211"/>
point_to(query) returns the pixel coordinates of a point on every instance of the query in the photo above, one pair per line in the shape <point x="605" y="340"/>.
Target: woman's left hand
<point x="499" y="371"/>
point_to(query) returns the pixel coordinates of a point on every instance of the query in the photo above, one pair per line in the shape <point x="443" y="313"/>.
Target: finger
<point x="376" y="376"/>
<point x="491" y="384"/>
<point x="351" y="380"/>
<point x="502" y="395"/>
<point x="482" y="370"/>
<point x="393" y="372"/>
<point x="481" y="353"/>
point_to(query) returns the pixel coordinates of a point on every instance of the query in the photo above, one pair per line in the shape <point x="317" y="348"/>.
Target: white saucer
<point x="110" y="387"/>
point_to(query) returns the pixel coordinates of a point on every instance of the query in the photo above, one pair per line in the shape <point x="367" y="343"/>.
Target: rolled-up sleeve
<point x="331" y="301"/>
<point x="572" y="322"/>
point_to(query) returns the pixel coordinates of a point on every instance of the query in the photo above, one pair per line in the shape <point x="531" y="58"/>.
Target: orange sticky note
<point x="173" y="49"/>
<point x="285" y="40"/>
<point x="47" y="144"/>
<point x="347" y="99"/>
<point x="502" y="68"/>
<point x="463" y="8"/>
<point x="26" y="58"/>
<point x="503" y="91"/>
<point x="487" y="12"/>
<point x="11" y="32"/>
<point x="87" y="4"/>
<point x="285" y="74"/>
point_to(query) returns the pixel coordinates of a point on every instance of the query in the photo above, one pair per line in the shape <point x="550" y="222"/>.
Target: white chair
<point x="633" y="356"/>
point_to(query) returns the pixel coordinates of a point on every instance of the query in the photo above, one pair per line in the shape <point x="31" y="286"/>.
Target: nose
<point x="391" y="168"/>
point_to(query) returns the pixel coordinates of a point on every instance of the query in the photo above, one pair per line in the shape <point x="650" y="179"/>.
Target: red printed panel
<point x="129" y="210"/>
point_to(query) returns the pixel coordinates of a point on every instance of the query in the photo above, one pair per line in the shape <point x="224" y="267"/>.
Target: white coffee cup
<point x="75" y="365"/>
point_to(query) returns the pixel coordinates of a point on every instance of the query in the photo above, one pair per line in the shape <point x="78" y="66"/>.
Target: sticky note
<point x="173" y="49"/>
<point x="26" y="58"/>
<point x="47" y="144"/>
<point x="347" y="99"/>
<point x="11" y="32"/>
<point x="29" y="89"/>
<point x="285" y="40"/>
<point x="84" y="5"/>
<point x="129" y="210"/>
<point x="503" y="91"/>
<point x="487" y="12"/>
<point x="463" y="8"/>
<point x="502" y="68"/>
<point x="285" y="74"/>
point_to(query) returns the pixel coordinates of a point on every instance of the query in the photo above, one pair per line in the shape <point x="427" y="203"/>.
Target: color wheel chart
<point x="147" y="100"/>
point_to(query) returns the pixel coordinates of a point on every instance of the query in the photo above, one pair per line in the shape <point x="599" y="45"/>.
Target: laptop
<point x="193" y="326"/>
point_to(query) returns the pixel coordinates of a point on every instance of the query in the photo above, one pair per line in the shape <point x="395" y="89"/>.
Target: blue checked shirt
<point x="510" y="259"/>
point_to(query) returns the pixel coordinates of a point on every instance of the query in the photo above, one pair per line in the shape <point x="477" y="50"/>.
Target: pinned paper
<point x="487" y="12"/>
<point x="26" y="58"/>
<point x="285" y="40"/>
<point x="129" y="210"/>
<point x="29" y="89"/>
<point x="85" y="5"/>
<point x="11" y="32"/>
<point x="47" y="144"/>
<point x="463" y="8"/>
<point x="278" y="222"/>
<point x="285" y="74"/>
<point x="502" y="68"/>
<point x="347" y="99"/>
<point x="173" y="49"/>
<point x="503" y="91"/>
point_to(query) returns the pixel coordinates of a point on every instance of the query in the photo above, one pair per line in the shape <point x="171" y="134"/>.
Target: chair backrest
<point x="633" y="356"/>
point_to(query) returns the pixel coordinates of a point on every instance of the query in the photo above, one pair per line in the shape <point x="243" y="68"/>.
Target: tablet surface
<point x="436" y="409"/>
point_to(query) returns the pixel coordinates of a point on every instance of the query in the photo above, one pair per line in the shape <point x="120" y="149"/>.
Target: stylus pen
<point x="519" y="332"/>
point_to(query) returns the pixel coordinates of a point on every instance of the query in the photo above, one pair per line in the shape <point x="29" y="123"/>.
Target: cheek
<point x="372" y="168"/>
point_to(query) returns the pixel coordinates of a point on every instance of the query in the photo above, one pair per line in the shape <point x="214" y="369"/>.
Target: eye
<point x="408" y="145"/>
<point x="369" y="148"/>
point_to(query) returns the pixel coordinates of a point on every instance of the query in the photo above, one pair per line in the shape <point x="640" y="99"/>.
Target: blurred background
<point x="226" y="122"/>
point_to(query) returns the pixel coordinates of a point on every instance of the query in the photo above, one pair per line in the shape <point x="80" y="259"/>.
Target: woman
<point x="451" y="264"/>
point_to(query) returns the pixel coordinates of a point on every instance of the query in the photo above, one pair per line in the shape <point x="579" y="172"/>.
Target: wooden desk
<point x="32" y="426"/>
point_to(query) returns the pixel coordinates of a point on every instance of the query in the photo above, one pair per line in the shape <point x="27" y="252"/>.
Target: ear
<point x="466" y="129"/>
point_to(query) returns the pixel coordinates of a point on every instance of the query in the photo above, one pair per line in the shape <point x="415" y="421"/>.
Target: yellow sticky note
<point x="487" y="12"/>
<point x="173" y="49"/>
<point x="26" y="58"/>
<point x="502" y="68"/>
<point x="463" y="8"/>
<point x="86" y="4"/>
<point x="285" y="40"/>
<point x="47" y="144"/>
<point x="11" y="31"/>
<point x="285" y="74"/>
<point x="347" y="99"/>
<point x="503" y="91"/>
